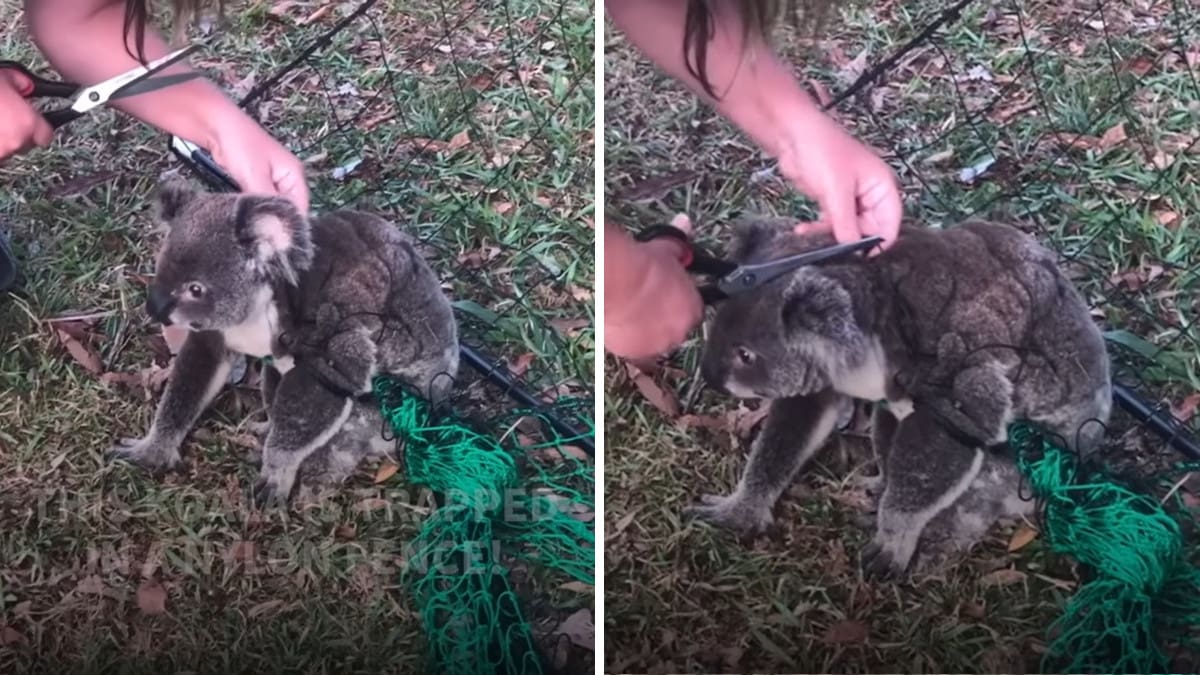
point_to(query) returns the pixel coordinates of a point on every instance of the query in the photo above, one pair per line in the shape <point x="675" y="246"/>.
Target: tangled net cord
<point x="1144" y="592"/>
<point x="471" y="613"/>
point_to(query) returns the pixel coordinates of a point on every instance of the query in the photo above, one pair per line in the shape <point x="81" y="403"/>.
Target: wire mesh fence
<point x="470" y="125"/>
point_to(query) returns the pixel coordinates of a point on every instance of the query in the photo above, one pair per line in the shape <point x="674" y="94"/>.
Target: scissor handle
<point x="57" y="118"/>
<point x="35" y="86"/>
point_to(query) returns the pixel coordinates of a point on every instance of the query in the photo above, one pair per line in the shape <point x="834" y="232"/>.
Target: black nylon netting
<point x="1035" y="125"/>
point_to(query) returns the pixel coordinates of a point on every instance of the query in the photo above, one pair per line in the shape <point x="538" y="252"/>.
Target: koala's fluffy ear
<point x="270" y="226"/>
<point x="174" y="193"/>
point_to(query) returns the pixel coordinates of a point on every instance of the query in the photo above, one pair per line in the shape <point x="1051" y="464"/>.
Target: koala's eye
<point x="195" y="290"/>
<point x="745" y="356"/>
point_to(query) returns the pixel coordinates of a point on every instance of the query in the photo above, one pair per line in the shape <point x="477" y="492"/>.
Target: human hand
<point x="257" y="162"/>
<point x="855" y="190"/>
<point x="24" y="127"/>
<point x="650" y="300"/>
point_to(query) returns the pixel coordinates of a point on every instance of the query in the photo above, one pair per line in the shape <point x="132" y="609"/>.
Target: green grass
<point x="508" y="218"/>
<point x="681" y="596"/>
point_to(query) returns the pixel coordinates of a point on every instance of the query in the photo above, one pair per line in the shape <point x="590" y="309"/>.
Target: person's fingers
<point x="839" y="208"/>
<point x="289" y="181"/>
<point x="813" y="227"/>
<point x="43" y="133"/>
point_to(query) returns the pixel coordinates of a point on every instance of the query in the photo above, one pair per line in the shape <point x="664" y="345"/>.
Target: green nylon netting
<point x="1145" y="592"/>
<point x="489" y="511"/>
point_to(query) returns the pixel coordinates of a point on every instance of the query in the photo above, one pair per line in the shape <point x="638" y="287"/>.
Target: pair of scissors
<point x="130" y="83"/>
<point x="733" y="279"/>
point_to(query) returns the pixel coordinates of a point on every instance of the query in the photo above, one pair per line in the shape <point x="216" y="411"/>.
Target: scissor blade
<point x="751" y="276"/>
<point x="101" y="93"/>
<point x="151" y="84"/>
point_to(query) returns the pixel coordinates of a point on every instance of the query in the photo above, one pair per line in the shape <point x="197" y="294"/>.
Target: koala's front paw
<point x="886" y="558"/>
<point x="733" y="513"/>
<point x="148" y="453"/>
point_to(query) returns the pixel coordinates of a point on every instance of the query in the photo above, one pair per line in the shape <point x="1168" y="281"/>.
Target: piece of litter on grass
<point x="979" y="73"/>
<point x="344" y="170"/>
<point x="971" y="173"/>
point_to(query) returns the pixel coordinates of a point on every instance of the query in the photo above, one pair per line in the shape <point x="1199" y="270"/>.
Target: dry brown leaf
<point x="280" y="9"/>
<point x="1140" y="65"/>
<point x="710" y="422"/>
<point x="746" y="419"/>
<point x="152" y="597"/>
<point x="10" y="636"/>
<point x="1022" y="537"/>
<point x="974" y="610"/>
<point x="345" y="532"/>
<point x="131" y="380"/>
<point x="846" y="632"/>
<point x="92" y="585"/>
<point x="939" y="157"/>
<point x="580" y="293"/>
<point x="1113" y="136"/>
<point x="662" y="399"/>
<point x="1187" y="407"/>
<point x="820" y="92"/>
<point x="570" y="327"/>
<point x="554" y="455"/>
<point x="624" y="523"/>
<point x="578" y="587"/>
<point x="317" y="15"/>
<point x="1073" y="140"/>
<point x="1166" y="218"/>
<point x="460" y="140"/>
<point x="385" y="471"/>
<point x="502" y="207"/>
<point x="579" y="629"/>
<point x="82" y="355"/>
<point x="1003" y="577"/>
<point x="242" y="551"/>
<point x="521" y="364"/>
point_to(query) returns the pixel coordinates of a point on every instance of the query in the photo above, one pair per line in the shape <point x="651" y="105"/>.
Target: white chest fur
<point x="256" y="335"/>
<point x="868" y="381"/>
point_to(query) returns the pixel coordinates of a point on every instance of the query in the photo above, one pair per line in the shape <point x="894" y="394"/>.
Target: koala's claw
<point x="273" y="490"/>
<point x="872" y="485"/>
<point x="145" y="453"/>
<point x="880" y="564"/>
<point x="731" y="513"/>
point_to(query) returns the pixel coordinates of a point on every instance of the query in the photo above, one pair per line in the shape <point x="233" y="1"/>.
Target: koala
<point x="333" y="301"/>
<point x="952" y="334"/>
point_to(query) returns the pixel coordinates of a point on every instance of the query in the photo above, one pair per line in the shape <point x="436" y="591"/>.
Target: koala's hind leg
<point x="794" y="430"/>
<point x="883" y="428"/>
<point x="361" y="437"/>
<point x="927" y="471"/>
<point x="305" y="416"/>
<point x="200" y="370"/>
<point x="270" y="381"/>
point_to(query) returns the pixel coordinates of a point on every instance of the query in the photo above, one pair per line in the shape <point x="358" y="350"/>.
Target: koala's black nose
<point x="713" y="375"/>
<point x="159" y="304"/>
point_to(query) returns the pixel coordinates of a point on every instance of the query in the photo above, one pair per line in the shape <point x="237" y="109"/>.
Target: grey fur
<point x="333" y="301"/>
<point x="929" y="327"/>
